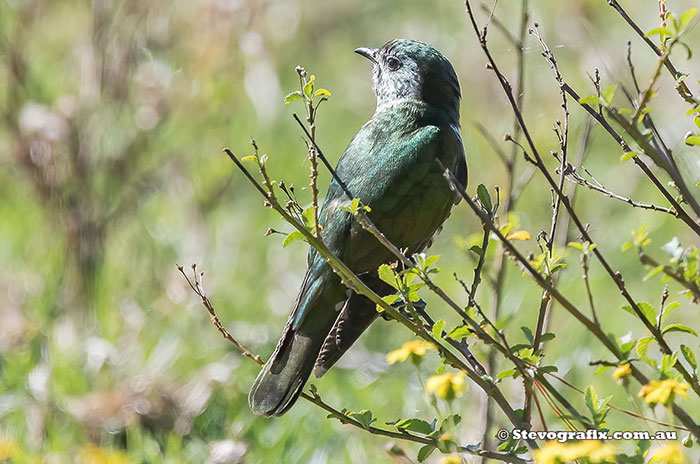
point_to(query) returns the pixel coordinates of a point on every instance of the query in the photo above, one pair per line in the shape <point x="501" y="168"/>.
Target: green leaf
<point x="425" y="452"/>
<point x="292" y="96"/>
<point x="672" y="306"/>
<point x="459" y="332"/>
<point x="692" y="140"/>
<point x="626" y="157"/>
<point x="437" y="329"/>
<point x="322" y="93"/>
<point x="430" y="260"/>
<point x="668" y="361"/>
<point x="528" y="334"/>
<point x="364" y="417"/>
<point x="476" y="249"/>
<point x="387" y="274"/>
<point x="690" y="357"/>
<point x="576" y="245"/>
<point x="249" y="158"/>
<point x="678" y="328"/>
<point x="484" y="197"/>
<point x="415" y="425"/>
<point x="685" y="18"/>
<point x="609" y="92"/>
<point x="591" y="399"/>
<point x="309" y="86"/>
<point x="662" y="32"/>
<point x="308" y="216"/>
<point x="590" y="100"/>
<point x="643" y="346"/>
<point x="450" y="422"/>
<point x="388" y="299"/>
<point x="547" y="337"/>
<point x="505" y="374"/>
<point x="292" y="237"/>
<point x="646" y="309"/>
<point x="653" y="272"/>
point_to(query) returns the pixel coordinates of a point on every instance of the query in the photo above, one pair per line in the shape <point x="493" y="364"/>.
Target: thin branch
<point x="672" y="273"/>
<point x="681" y="86"/>
<point x="614" y="275"/>
<point x="561" y="299"/>
<point x="575" y="177"/>
<point x="612" y="406"/>
<point x="195" y="285"/>
<point x="355" y="284"/>
<point x="313" y="397"/>
<point x="514" y="190"/>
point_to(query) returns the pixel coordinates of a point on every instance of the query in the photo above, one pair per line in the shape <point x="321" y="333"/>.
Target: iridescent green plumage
<point x="390" y="165"/>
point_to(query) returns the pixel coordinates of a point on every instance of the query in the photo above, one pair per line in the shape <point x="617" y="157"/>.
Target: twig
<point x="584" y="264"/>
<point x="195" y="285"/>
<point x="612" y="406"/>
<point x="355" y="284"/>
<point x="615" y="276"/>
<point x="681" y="86"/>
<point x="672" y="273"/>
<point x="314" y="398"/>
<point x="514" y="190"/>
<point x="561" y="299"/>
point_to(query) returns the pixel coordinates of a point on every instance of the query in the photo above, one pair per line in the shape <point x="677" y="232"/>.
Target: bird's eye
<point x="393" y="64"/>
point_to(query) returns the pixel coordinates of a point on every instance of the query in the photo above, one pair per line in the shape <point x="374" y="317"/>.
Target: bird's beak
<point x="368" y="53"/>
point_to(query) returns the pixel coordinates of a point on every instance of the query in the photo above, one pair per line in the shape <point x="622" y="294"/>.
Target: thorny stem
<point x="314" y="398"/>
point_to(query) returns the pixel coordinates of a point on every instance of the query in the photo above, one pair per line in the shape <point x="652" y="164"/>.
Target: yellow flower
<point x="8" y="449"/>
<point x="446" y="385"/>
<point x="669" y="454"/>
<point x="594" y="450"/>
<point x="452" y="459"/>
<point x="93" y="454"/>
<point x="663" y="391"/>
<point x="518" y="235"/>
<point x="558" y="453"/>
<point x="551" y="453"/>
<point x="416" y="349"/>
<point x="622" y="371"/>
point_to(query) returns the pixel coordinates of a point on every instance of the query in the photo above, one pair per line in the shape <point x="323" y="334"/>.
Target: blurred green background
<point x="113" y="117"/>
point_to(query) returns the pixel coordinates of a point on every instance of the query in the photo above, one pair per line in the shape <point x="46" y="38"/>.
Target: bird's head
<point x="408" y="69"/>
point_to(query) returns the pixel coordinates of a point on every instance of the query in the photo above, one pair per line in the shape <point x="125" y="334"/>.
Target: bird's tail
<point x="281" y="380"/>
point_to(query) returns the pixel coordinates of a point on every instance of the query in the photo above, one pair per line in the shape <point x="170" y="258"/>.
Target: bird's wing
<point x="461" y="174"/>
<point x="359" y="312"/>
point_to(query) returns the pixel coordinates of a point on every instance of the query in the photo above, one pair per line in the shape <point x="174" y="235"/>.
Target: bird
<point x="390" y="165"/>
